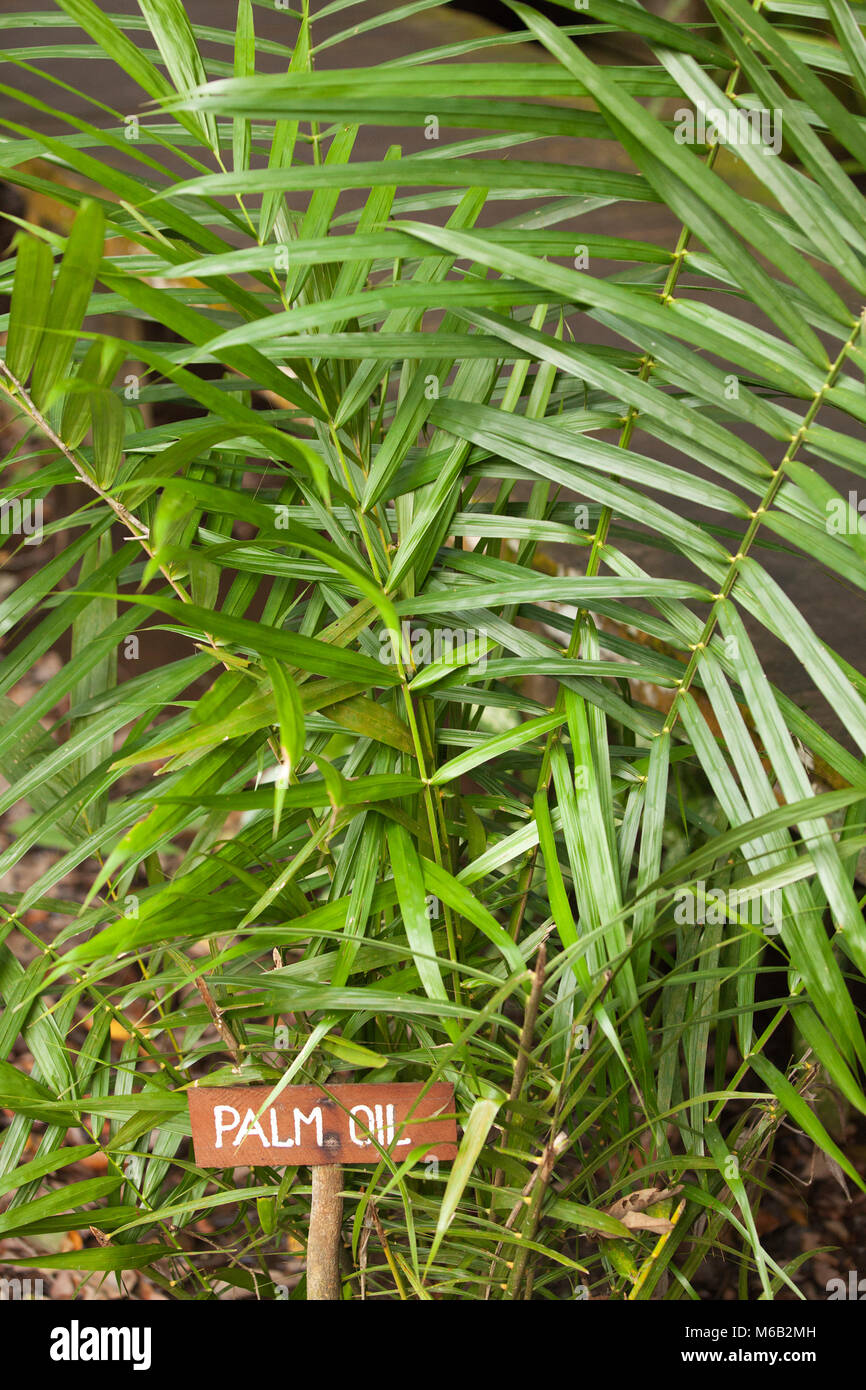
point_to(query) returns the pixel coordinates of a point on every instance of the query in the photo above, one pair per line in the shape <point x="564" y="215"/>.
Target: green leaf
<point x="28" y="310"/>
<point x="107" y="1258"/>
<point x="792" y="1102"/>
<point x="109" y="428"/>
<point x="290" y="715"/>
<point x="75" y="1194"/>
<point x="409" y="878"/>
<point x="69" y="300"/>
<point x="169" y="24"/>
<point x="475" y="1133"/>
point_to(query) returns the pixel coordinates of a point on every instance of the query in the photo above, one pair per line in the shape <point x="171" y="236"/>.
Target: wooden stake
<point x="323" y="1243"/>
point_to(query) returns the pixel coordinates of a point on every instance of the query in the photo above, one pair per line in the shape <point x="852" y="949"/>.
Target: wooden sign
<point x="307" y="1124"/>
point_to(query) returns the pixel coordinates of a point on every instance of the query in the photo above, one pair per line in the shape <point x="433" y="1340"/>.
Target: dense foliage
<point x="421" y="774"/>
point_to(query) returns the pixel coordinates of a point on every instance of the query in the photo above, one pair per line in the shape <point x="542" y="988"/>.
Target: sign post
<point x="323" y="1241"/>
<point x="324" y="1126"/>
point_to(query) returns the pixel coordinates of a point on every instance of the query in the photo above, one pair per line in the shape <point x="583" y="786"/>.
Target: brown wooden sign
<point x="308" y="1124"/>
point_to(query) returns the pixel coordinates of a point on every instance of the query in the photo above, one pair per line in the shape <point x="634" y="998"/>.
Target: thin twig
<point x="219" y="1022"/>
<point x="533" y="1214"/>
<point x="137" y="528"/>
<point x="524" y="1049"/>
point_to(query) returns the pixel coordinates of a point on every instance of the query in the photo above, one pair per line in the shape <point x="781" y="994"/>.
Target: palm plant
<point x="462" y="761"/>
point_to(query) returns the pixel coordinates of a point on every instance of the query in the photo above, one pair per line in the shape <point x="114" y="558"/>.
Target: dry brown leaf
<point x="640" y="1221"/>
<point x="95" y="1163"/>
<point x="632" y="1210"/>
<point x="115" y="1028"/>
<point x="824" y="1166"/>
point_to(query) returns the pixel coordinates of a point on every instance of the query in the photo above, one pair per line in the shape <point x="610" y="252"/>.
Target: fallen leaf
<point x="641" y="1221"/>
<point x="116" y="1030"/>
<point x="95" y="1163"/>
<point x="633" y="1210"/>
<point x="765" y="1222"/>
<point x="824" y="1166"/>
